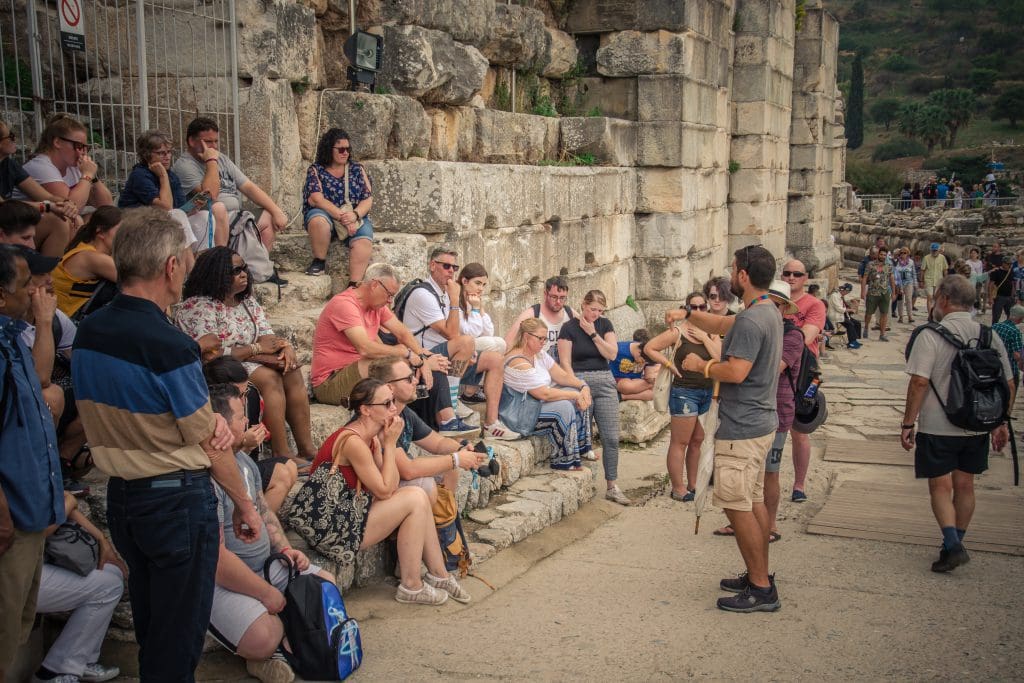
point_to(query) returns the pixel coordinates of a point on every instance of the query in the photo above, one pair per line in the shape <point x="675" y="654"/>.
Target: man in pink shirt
<point x="345" y="340"/>
<point x="810" y="318"/>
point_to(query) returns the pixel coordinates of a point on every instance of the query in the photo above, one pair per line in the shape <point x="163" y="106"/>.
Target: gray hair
<point x="958" y="290"/>
<point x="149" y="142"/>
<point x="147" y="238"/>
<point x="1017" y="312"/>
<point x="379" y="271"/>
<point x="442" y="250"/>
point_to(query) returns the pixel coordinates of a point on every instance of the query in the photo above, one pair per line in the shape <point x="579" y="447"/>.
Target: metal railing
<point x="147" y="64"/>
<point x="873" y="202"/>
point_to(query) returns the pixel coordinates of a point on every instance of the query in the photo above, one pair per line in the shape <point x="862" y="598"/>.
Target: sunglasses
<point x="454" y="267"/>
<point x="714" y="296"/>
<point x="698" y="307"/>
<point x="411" y="379"/>
<point x="388" y="403"/>
<point x="79" y="146"/>
<point x="793" y="273"/>
<point x="238" y="270"/>
<point x="343" y="150"/>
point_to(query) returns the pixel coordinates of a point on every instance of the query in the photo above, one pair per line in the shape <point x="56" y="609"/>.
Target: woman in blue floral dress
<point x="336" y="199"/>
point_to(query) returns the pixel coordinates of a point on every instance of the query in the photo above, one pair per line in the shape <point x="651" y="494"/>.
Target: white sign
<point x="72" y="25"/>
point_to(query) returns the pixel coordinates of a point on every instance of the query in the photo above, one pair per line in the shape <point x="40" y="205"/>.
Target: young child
<point x="634" y="376"/>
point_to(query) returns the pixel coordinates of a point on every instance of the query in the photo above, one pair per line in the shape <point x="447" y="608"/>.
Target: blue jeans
<point x="365" y="231"/>
<point x="686" y="402"/>
<point x="170" y="538"/>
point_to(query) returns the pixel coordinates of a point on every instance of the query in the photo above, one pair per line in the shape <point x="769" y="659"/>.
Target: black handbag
<point x="73" y="548"/>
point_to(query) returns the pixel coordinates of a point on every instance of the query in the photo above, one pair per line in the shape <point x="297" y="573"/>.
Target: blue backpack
<point x="325" y="641"/>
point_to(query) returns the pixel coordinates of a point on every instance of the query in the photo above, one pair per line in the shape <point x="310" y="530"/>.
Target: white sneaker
<point x="449" y="585"/>
<point x="616" y="495"/>
<point x="97" y="673"/>
<point x="465" y="412"/>
<point x="60" y="678"/>
<point x="427" y="595"/>
<point x="273" y="670"/>
<point x="500" y="431"/>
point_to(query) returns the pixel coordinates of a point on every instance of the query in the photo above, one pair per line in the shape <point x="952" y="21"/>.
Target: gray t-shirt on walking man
<point x="747" y="410"/>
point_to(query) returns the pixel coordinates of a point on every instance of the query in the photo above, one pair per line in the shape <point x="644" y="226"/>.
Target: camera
<point x="492" y="467"/>
<point x="421" y="391"/>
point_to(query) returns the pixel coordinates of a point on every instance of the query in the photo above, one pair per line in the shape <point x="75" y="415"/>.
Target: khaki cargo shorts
<point x="335" y="389"/>
<point x="739" y="472"/>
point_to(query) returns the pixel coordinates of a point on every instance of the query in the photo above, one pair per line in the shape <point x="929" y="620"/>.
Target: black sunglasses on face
<point x="793" y="273"/>
<point x="698" y="307"/>
<point x="454" y="267"/>
<point x="238" y="270"/>
<point x="343" y="150"/>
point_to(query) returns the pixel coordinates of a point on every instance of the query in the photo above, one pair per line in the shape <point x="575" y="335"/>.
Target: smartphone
<point x="195" y="200"/>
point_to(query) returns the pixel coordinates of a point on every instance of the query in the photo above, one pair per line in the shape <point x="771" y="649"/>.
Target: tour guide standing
<point x="945" y="454"/>
<point x="749" y="375"/>
<point x="146" y="412"/>
<point x="31" y="497"/>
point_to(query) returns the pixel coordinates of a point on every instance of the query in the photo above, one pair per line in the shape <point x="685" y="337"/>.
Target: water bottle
<point x="813" y="389"/>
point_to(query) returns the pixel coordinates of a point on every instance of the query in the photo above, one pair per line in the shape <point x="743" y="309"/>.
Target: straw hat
<point x="779" y="292"/>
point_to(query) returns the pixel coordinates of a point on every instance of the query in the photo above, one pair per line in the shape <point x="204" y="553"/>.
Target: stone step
<point x="297" y="327"/>
<point x="303" y="292"/>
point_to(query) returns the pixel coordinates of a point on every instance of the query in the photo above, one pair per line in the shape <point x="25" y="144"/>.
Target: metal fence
<point x="146" y="64"/>
<point x="874" y="202"/>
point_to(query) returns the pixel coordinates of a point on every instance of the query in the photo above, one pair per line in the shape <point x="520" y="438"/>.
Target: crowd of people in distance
<point x="132" y="341"/>
<point x="946" y="194"/>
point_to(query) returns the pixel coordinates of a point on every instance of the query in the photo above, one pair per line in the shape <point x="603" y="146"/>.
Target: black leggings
<point x="853" y="329"/>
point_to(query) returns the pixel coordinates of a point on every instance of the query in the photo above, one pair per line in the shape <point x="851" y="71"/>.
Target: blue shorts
<point x="685" y="402"/>
<point x="365" y="231"/>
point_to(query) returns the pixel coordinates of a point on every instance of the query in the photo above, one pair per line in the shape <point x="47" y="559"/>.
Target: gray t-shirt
<point x="932" y="357"/>
<point x="191" y="172"/>
<point x="256" y="553"/>
<point x="747" y="410"/>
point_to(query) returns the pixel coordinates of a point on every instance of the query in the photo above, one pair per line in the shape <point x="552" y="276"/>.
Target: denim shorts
<point x="686" y="402"/>
<point x="365" y="231"/>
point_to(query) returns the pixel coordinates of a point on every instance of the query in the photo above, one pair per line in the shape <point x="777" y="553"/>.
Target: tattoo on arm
<point x="274" y="530"/>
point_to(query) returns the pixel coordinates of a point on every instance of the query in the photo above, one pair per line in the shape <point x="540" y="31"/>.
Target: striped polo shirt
<point x="140" y="390"/>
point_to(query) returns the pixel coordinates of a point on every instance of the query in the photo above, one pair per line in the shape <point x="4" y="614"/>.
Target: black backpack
<point x="978" y="396"/>
<point x="325" y="641"/>
<point x="398" y="308"/>
<point x="809" y="371"/>
<point x="536" y="311"/>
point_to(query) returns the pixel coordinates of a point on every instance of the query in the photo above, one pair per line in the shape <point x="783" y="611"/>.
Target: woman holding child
<point x="364" y="454"/>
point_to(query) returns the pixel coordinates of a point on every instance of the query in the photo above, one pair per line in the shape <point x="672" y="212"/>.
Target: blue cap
<point x="935" y="246"/>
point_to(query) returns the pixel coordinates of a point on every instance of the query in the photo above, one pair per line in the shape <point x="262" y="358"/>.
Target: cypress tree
<point x="855" y="107"/>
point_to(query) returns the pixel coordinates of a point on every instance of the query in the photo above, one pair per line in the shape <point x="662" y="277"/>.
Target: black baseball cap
<point x="38" y="264"/>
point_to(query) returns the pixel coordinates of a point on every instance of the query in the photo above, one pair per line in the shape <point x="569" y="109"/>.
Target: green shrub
<point x="873" y="178"/>
<point x="983" y="80"/>
<point x="989" y="61"/>
<point x="897" y="149"/>
<point x="899" y="64"/>
<point x="922" y="85"/>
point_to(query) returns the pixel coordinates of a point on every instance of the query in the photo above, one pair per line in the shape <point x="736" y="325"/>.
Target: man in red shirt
<point x="810" y="318"/>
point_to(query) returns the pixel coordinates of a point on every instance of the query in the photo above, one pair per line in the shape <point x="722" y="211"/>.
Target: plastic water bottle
<point x="813" y="389"/>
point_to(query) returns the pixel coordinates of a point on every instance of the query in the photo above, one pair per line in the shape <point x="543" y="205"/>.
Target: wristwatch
<point x="593" y="335"/>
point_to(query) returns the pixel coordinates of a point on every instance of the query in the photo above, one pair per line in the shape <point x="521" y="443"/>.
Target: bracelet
<point x="707" y="368"/>
<point x="209" y="160"/>
<point x="667" y="365"/>
<point x="454" y="308"/>
<point x="44" y="207"/>
<point x="455" y="460"/>
<point x="254" y="350"/>
<point x="89" y="178"/>
<point x="906" y="426"/>
<point x="281" y="550"/>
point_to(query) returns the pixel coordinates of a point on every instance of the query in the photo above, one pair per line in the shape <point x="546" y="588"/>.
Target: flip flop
<point x="725" y="531"/>
<point x="774" y="536"/>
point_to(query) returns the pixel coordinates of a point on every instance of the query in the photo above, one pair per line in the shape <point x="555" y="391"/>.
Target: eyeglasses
<point x="79" y="146"/>
<point x="388" y="403"/>
<point x="411" y="379"/>
<point x="391" y="295"/>
<point x="238" y="270"/>
<point x="343" y="150"/>
<point x="793" y="273"/>
<point x="164" y="152"/>
<point x="558" y="297"/>
<point x="698" y="307"/>
<point x="454" y="267"/>
<point x="537" y="336"/>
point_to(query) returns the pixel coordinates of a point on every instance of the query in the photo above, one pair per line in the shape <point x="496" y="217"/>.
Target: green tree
<point x="886" y="111"/>
<point x="855" y="107"/>
<point x="1009" y="105"/>
<point x="983" y="80"/>
<point x="907" y="118"/>
<point x="930" y="125"/>
<point x="958" y="105"/>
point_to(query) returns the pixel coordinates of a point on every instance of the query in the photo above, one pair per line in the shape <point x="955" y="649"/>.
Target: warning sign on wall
<point x="72" y="25"/>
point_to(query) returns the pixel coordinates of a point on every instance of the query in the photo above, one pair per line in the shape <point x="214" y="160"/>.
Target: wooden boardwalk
<point x="868" y="452"/>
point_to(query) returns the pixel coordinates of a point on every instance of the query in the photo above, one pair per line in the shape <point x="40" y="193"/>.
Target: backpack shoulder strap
<point x="939" y="330"/>
<point x="536" y="310"/>
<point x="568" y="309"/>
<point x="985" y="337"/>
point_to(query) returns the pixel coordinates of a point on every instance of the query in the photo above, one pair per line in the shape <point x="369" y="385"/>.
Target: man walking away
<point x="146" y="412"/>
<point x="947" y="455"/>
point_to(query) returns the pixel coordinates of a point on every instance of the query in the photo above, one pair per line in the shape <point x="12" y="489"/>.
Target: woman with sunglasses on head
<point x="219" y="311"/>
<point x="336" y="201"/>
<point x="690" y="395"/>
<point x="532" y="376"/>
<point x="364" y="454"/>
<point x="59" y="214"/>
<point x="585" y="345"/>
<point x="277" y="475"/>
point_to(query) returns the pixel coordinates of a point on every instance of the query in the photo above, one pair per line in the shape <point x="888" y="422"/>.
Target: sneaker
<point x="464" y="412"/>
<point x="76" y="488"/>
<point x="273" y="670"/>
<point x="616" y="495"/>
<point x="798" y="496"/>
<point x="317" y="267"/>
<point x="97" y="673"/>
<point x="683" y="497"/>
<point x="276" y="279"/>
<point x="59" y="678"/>
<point x="456" y="428"/>
<point x="739" y="583"/>
<point x="477" y="398"/>
<point x="882" y="337"/>
<point x="499" y="430"/>
<point x="449" y="585"/>
<point x="855" y="344"/>
<point x="751" y="600"/>
<point x="951" y="559"/>
<point x="427" y="595"/>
